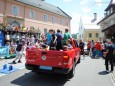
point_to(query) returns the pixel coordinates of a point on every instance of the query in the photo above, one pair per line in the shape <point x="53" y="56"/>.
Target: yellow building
<point x="91" y="32"/>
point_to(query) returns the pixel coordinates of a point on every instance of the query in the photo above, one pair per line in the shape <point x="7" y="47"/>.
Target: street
<point x="90" y="72"/>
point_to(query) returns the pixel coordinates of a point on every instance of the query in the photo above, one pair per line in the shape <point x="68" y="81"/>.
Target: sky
<point x="83" y="9"/>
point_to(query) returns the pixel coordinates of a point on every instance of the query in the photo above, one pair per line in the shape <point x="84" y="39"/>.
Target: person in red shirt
<point x="98" y="49"/>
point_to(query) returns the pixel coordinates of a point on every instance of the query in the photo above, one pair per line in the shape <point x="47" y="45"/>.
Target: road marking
<point x="1" y="74"/>
<point x="112" y="76"/>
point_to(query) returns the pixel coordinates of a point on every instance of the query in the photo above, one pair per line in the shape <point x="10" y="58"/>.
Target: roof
<point x="45" y="6"/>
<point x="106" y="17"/>
<point x="112" y="2"/>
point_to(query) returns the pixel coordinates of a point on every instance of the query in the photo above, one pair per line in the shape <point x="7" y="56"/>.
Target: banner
<point x="4" y="51"/>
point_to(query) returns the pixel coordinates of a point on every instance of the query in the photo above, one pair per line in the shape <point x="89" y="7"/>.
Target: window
<point x="67" y="24"/>
<point x="60" y="21"/>
<point x="111" y="10"/>
<point x="15" y="10"/>
<point x="45" y="31"/>
<point x="97" y="35"/>
<point x="53" y="20"/>
<point x="32" y="14"/>
<point x="90" y="35"/>
<point x="45" y="17"/>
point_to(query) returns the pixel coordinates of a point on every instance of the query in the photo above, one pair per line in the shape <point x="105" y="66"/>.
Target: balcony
<point x="108" y="23"/>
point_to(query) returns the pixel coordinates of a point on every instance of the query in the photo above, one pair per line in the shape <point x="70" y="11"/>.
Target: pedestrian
<point x="7" y="38"/>
<point x="32" y="39"/>
<point x="24" y="47"/>
<point x="17" y="38"/>
<point x="81" y="46"/>
<point x="59" y="40"/>
<point x="109" y="56"/>
<point x="98" y="49"/>
<point x="19" y="52"/>
<point x="92" y="46"/>
<point x="88" y="47"/>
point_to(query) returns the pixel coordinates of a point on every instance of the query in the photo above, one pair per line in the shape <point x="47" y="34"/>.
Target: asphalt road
<point x="90" y="72"/>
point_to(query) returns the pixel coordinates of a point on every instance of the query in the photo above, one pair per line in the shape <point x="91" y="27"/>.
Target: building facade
<point x="92" y="32"/>
<point x="107" y="24"/>
<point x="35" y="14"/>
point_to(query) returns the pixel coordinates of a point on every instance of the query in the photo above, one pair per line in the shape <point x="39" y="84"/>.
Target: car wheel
<point x="78" y="60"/>
<point x="72" y="72"/>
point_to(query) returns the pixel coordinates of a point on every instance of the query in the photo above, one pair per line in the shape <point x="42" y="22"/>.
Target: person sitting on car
<point x="65" y="48"/>
<point x="68" y="43"/>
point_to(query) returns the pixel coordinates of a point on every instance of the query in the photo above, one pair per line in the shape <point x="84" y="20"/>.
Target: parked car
<point x="85" y="48"/>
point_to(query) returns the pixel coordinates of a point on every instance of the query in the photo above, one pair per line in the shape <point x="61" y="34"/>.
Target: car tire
<point x="78" y="60"/>
<point x="72" y="72"/>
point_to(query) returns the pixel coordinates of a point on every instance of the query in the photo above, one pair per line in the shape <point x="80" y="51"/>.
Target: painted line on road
<point x="112" y="76"/>
<point x="22" y="67"/>
<point x="1" y="74"/>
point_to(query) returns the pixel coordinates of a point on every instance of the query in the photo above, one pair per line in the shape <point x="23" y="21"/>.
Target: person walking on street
<point x="81" y="46"/>
<point x="88" y="47"/>
<point x="109" y="56"/>
<point x="19" y="52"/>
<point x="98" y="49"/>
<point x="92" y="46"/>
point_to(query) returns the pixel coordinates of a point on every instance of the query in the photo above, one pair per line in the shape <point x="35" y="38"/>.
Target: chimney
<point x="95" y="18"/>
<point x="42" y="0"/>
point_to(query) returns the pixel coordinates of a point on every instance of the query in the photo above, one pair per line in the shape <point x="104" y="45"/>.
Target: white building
<point x="80" y="34"/>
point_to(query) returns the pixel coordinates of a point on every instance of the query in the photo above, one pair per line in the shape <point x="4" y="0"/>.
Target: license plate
<point x="45" y="67"/>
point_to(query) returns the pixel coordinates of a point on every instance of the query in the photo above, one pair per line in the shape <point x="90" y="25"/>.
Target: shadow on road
<point x="42" y="79"/>
<point x="103" y="73"/>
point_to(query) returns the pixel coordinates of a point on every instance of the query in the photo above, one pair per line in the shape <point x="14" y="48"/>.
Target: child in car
<point x="68" y="43"/>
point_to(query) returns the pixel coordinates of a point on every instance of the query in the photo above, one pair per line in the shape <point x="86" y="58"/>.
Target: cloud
<point x="67" y="0"/>
<point x="99" y="2"/>
<point x="86" y="9"/>
<point x="83" y="2"/>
